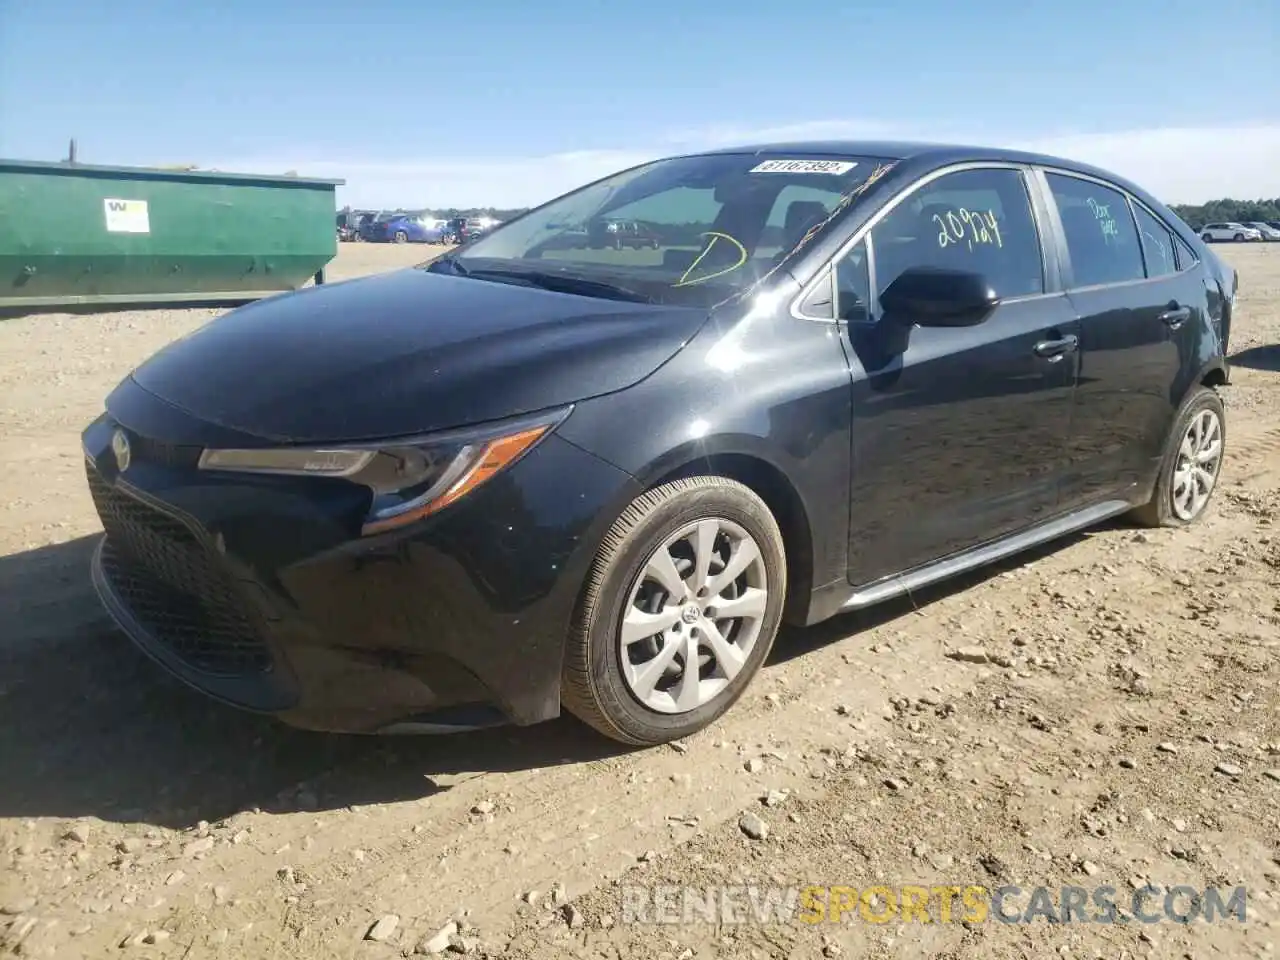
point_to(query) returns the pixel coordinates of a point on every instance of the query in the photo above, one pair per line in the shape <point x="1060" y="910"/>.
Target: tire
<point x="401" y="237"/>
<point x="605" y="687"/>
<point x="1165" y="508"/>
<point x="1239" y="238"/>
<point x="1207" y="238"/>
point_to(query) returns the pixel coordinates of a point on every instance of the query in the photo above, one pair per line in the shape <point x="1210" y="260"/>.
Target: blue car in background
<point x="402" y="228"/>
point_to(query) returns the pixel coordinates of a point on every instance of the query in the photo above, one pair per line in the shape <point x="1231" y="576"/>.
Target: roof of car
<point x="940" y="153"/>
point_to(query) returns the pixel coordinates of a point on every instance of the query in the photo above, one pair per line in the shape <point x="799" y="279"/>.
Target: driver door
<point x="959" y="433"/>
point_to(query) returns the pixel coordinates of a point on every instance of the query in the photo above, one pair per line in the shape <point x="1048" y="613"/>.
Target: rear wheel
<point x="679" y="611"/>
<point x="1191" y="465"/>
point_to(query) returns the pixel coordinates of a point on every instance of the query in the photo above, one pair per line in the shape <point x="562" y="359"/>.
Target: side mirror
<point x="936" y="297"/>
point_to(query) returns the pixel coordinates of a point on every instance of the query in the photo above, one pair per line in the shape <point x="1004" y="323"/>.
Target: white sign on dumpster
<point x="127" y="216"/>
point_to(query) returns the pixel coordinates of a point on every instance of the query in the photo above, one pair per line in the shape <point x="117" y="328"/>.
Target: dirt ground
<point x="1123" y="730"/>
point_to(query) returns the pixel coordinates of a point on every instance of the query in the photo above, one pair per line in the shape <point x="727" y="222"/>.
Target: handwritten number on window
<point x="970" y="227"/>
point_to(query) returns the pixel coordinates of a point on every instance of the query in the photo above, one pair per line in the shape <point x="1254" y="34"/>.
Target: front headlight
<point x="410" y="479"/>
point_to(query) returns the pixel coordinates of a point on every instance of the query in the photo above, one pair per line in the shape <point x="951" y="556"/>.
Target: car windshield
<point x="688" y="230"/>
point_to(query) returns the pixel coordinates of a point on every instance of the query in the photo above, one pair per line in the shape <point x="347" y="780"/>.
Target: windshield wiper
<point x="560" y="283"/>
<point x="452" y="263"/>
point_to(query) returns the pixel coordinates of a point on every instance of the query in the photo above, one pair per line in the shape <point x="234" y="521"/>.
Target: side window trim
<point x="826" y="277"/>
<point x="864" y="232"/>
<point x="1131" y="205"/>
<point x="1179" y="242"/>
<point x="1182" y="248"/>
<point x="1049" y="227"/>
<point x="873" y="299"/>
<point x="1137" y="206"/>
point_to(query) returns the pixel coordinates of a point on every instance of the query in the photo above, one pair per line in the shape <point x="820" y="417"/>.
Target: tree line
<point x="1218" y="211"/>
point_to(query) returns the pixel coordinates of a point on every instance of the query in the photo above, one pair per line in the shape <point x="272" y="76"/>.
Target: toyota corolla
<point x="535" y="475"/>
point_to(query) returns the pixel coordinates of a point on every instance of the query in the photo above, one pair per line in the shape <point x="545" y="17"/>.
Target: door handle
<point x="1055" y="350"/>
<point x="1176" y="317"/>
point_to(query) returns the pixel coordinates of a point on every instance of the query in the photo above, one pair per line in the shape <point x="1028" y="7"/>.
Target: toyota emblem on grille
<point x="120" y="447"/>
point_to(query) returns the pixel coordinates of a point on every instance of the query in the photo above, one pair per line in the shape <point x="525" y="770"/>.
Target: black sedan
<point x="533" y="475"/>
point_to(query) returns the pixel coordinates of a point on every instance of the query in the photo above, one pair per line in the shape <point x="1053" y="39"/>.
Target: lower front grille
<point x="174" y="586"/>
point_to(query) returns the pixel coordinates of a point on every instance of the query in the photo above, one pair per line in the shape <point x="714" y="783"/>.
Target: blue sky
<point x="510" y="102"/>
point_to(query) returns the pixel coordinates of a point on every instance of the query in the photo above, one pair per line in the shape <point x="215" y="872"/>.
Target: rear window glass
<point x="1102" y="239"/>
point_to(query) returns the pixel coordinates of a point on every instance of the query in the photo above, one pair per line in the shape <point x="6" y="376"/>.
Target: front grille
<point x="174" y="587"/>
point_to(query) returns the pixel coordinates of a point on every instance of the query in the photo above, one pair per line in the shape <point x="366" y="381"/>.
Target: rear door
<point x="1140" y="318"/>
<point x="959" y="433"/>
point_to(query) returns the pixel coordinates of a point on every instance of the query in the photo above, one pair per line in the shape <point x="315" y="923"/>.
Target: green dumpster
<point x="72" y="234"/>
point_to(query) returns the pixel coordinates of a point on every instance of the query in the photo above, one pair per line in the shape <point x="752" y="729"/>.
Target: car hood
<point x="407" y="353"/>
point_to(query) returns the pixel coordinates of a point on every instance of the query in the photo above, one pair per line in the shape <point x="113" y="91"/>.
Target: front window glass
<point x="979" y="220"/>
<point x="688" y="230"/>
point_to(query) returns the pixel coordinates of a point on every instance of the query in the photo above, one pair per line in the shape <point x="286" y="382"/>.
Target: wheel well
<point x="1217" y="377"/>
<point x="771" y="486"/>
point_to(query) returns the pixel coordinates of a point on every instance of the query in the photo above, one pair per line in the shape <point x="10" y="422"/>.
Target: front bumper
<point x="261" y="593"/>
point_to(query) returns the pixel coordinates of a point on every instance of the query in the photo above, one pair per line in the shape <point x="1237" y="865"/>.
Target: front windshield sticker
<point x="804" y="166"/>
<point x="845" y="200"/>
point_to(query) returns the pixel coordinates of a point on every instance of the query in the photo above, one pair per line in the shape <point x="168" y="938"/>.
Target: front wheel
<point x="1191" y="465"/>
<point x="679" y="611"/>
<point x="1239" y="237"/>
<point x="401" y="237"/>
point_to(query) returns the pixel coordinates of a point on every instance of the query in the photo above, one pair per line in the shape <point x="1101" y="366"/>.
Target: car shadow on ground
<point x="1265" y="357"/>
<point x="89" y="727"/>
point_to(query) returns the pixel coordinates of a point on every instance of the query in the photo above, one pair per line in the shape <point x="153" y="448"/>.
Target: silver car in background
<point x="1230" y="230"/>
<point x="1265" y="230"/>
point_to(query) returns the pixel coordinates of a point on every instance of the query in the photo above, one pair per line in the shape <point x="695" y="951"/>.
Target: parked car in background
<point x="404" y="228"/>
<point x="371" y="225"/>
<point x="623" y="233"/>
<point x="1268" y="232"/>
<point x="1230" y="230"/>
<point x="349" y="225"/>
<point x="456" y="230"/>
<point x="499" y="485"/>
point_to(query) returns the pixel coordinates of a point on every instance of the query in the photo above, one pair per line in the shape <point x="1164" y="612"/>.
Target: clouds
<point x="1183" y="164"/>
<point x="1179" y="165"/>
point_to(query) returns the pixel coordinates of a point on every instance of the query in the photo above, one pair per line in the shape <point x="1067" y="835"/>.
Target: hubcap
<point x="1199" y="460"/>
<point x="693" y="616"/>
